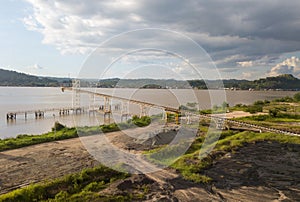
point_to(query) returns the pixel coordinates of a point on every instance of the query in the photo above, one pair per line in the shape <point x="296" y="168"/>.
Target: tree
<point x="58" y="126"/>
<point x="225" y="105"/>
<point x="273" y="112"/>
<point x="297" y="97"/>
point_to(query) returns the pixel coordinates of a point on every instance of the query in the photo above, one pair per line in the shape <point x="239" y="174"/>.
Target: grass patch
<point x="81" y="186"/>
<point x="27" y="140"/>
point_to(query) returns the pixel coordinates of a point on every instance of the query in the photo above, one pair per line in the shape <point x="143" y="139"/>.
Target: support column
<point x="177" y="118"/>
<point x="165" y="116"/>
<point x="188" y="118"/>
<point x="143" y="110"/>
<point x="219" y="123"/>
<point x="107" y="110"/>
<point x="107" y="106"/>
<point x="106" y="118"/>
<point x="92" y="103"/>
<point x="124" y="111"/>
<point x="11" y="116"/>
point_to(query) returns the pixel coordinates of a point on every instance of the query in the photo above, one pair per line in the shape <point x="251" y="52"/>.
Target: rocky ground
<point x="265" y="171"/>
<point x="20" y="167"/>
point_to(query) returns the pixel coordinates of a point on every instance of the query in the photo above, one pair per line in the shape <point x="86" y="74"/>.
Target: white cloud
<point x="230" y="59"/>
<point x="77" y="27"/>
<point x="247" y="75"/>
<point x="37" y="66"/>
<point x="288" y="66"/>
<point x="245" y="63"/>
<point x="240" y="34"/>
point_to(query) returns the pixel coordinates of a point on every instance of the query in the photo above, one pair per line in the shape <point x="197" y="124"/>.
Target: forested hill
<point x="282" y="82"/>
<point x="12" y="78"/>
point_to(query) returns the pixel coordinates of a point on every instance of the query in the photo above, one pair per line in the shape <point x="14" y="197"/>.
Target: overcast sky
<point x="245" y="39"/>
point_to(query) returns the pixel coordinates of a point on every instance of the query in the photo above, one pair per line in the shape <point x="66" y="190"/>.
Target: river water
<point x="34" y="98"/>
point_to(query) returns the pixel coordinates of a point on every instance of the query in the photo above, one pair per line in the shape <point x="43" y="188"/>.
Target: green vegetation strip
<point x="287" y="122"/>
<point x="83" y="186"/>
<point x="27" y="140"/>
<point x="60" y="132"/>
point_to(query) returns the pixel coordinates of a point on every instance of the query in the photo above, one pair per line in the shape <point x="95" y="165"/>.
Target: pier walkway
<point x="39" y="113"/>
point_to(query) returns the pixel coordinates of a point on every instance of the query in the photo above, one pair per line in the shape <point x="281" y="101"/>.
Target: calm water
<point x="26" y="98"/>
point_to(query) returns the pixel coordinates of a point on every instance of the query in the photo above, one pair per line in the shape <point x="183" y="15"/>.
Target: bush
<point x="95" y="186"/>
<point x="284" y="99"/>
<point x="297" y="97"/>
<point x="225" y="105"/>
<point x="58" y="126"/>
<point x="141" y="122"/>
<point x="206" y="111"/>
<point x="273" y="112"/>
<point x="254" y="109"/>
<point x="259" y="103"/>
<point x="260" y="117"/>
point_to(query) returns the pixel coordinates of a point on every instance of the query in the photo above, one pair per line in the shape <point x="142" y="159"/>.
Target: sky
<point x="244" y="39"/>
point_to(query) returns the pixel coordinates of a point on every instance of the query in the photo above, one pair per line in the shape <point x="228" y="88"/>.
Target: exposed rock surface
<point x="265" y="171"/>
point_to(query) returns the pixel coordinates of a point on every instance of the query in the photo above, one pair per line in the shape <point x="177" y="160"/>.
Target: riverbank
<point x="242" y="166"/>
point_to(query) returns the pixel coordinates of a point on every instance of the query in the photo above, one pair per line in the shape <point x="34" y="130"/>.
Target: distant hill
<point x="12" y="78"/>
<point x="142" y="83"/>
<point x="282" y="82"/>
<point x="285" y="81"/>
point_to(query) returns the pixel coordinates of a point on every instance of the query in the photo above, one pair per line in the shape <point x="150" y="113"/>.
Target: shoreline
<point x="128" y="88"/>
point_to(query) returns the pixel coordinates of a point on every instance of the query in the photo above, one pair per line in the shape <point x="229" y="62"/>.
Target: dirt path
<point x="238" y="114"/>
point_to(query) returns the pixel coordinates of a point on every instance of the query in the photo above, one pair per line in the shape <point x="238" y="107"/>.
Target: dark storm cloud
<point x="231" y="31"/>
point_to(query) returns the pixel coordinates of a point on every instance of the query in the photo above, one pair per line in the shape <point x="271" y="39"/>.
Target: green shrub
<point x="284" y="99"/>
<point x="78" y="185"/>
<point x="259" y="117"/>
<point x="273" y="112"/>
<point x="259" y="103"/>
<point x="297" y="97"/>
<point x="61" y="196"/>
<point x="254" y="109"/>
<point x="58" y="126"/>
<point x="95" y="186"/>
<point x="141" y="122"/>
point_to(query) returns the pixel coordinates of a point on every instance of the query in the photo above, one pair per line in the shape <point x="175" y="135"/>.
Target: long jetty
<point x="41" y="112"/>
